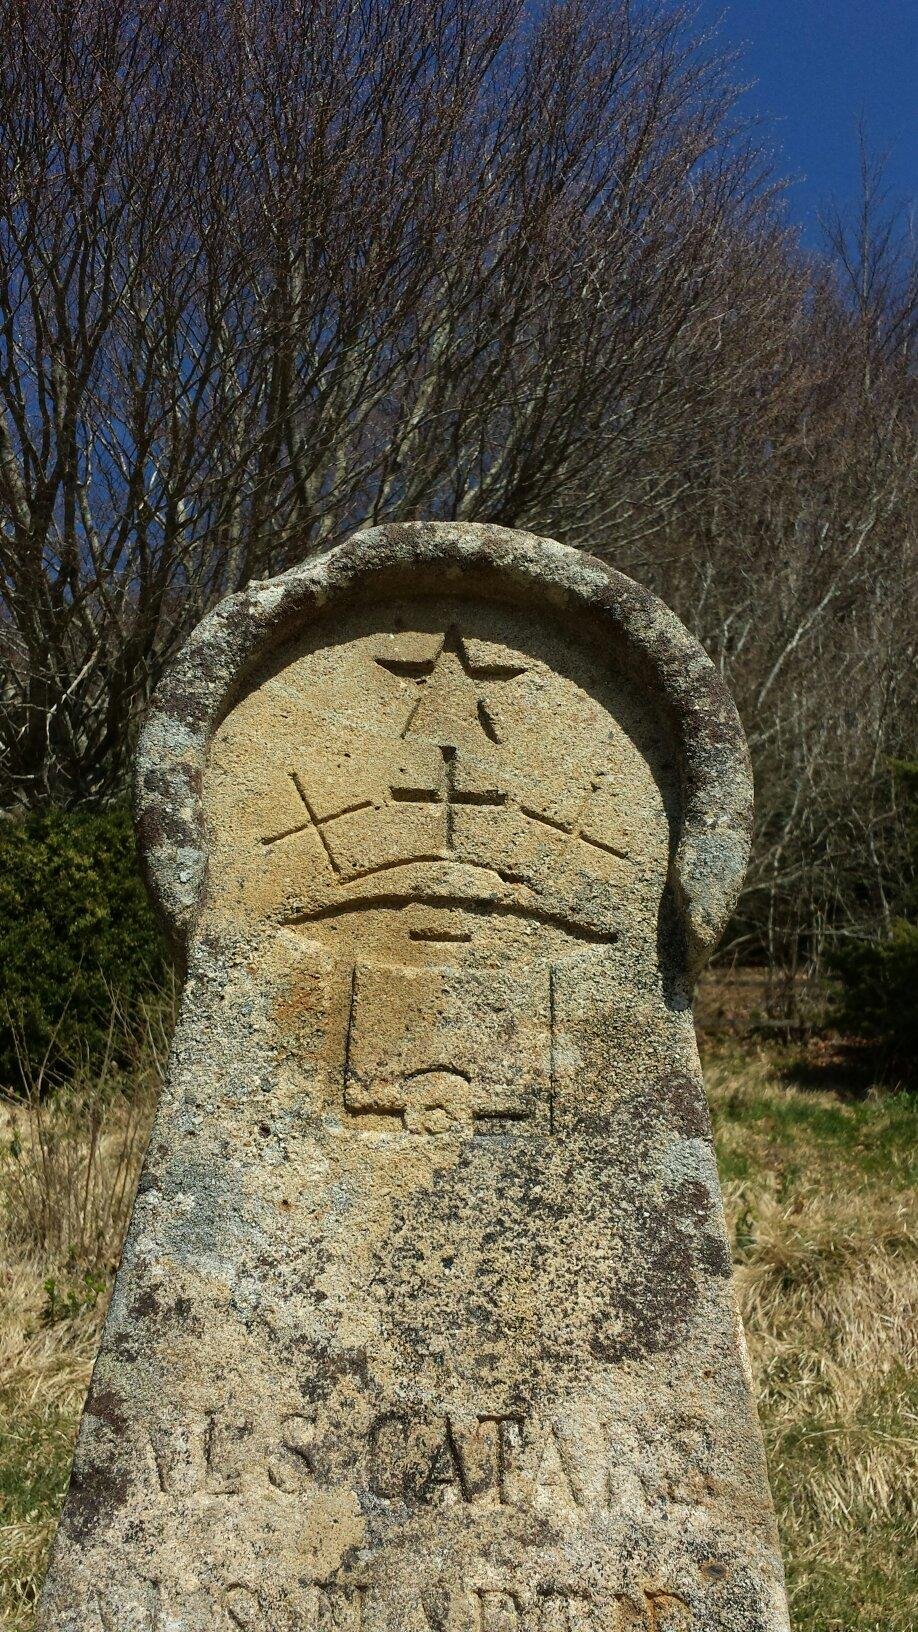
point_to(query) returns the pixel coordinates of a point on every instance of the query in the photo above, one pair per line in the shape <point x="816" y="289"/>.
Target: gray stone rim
<point x="205" y="679"/>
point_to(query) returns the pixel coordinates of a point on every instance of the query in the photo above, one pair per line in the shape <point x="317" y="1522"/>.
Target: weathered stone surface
<point x="425" y="1321"/>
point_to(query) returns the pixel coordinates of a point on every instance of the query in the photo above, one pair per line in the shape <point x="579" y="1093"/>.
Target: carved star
<point x="423" y="671"/>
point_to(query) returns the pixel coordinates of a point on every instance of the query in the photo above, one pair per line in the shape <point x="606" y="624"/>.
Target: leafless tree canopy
<point x="792" y="554"/>
<point x="271" y="269"/>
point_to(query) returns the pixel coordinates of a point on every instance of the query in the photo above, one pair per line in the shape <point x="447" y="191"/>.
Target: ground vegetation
<point x="76" y="932"/>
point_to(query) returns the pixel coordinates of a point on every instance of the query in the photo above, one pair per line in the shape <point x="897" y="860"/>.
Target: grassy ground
<point x="818" y="1194"/>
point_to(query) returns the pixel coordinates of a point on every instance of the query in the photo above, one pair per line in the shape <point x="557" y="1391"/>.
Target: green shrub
<point x="880" y="994"/>
<point x="76" y="932"/>
<point x="879" y="979"/>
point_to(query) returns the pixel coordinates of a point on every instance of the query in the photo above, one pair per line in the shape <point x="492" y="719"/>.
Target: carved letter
<point x="446" y="1481"/>
<point x="291" y="1469"/>
<point x="337" y="1608"/>
<point x="556" y="1479"/>
<point x="204" y="1452"/>
<point x="180" y="1453"/>
<point x="242" y="1608"/>
<point x="228" y="1453"/>
<point x="496" y="1610"/>
<point x="666" y="1612"/>
<point x="500" y="1439"/>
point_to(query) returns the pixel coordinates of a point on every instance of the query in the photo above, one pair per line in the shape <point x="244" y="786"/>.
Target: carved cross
<point x="447" y="793"/>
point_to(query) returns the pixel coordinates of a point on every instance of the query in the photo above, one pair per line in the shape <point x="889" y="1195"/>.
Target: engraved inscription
<point x="429" y="782"/>
<point x="449" y="880"/>
<point x="510" y="1607"/>
<point x="417" y="1063"/>
<point x="342" y="1606"/>
<point x="444" y="789"/>
<point x="292" y="1468"/>
<point x="444" y="1460"/>
<point x="501" y="1460"/>
<point x="452" y="781"/>
<point x="205" y="1451"/>
<point x="142" y="1605"/>
<point x="567" y="1466"/>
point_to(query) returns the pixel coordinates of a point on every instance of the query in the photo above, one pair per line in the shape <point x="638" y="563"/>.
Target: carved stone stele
<point x="425" y="1319"/>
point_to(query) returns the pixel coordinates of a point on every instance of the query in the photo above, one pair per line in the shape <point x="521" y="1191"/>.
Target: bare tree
<point x="790" y="548"/>
<point x="269" y="270"/>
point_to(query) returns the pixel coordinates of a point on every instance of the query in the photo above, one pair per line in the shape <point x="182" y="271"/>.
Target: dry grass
<point x="69" y="1163"/>
<point x="818" y="1194"/>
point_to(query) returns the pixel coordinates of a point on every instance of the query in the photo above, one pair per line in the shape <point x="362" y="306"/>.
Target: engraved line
<point x="486" y="720"/>
<point x="436" y="936"/>
<point x="414" y="708"/>
<point x="475" y="797"/>
<point x="503" y="1464"/>
<point x="487" y="1113"/>
<point x="336" y="815"/>
<point x="428" y="671"/>
<point x="483" y="908"/>
<point x="458" y="1462"/>
<point x="408" y="668"/>
<point x="288" y="833"/>
<point x="376" y="1110"/>
<point x="547" y="821"/>
<point x="301" y="828"/>
<point x="416" y="796"/>
<point x="493" y="671"/>
<point x="428" y="1070"/>
<point x="552" y="1060"/>
<point x="312" y="816"/>
<point x="389" y="866"/>
<point x="322" y="821"/>
<point x="449" y="777"/>
<point x="351" y="1011"/>
<point x="456" y="642"/>
<point x="573" y="832"/>
<point x="583" y="811"/>
<point x="598" y="844"/>
<point x="587" y="800"/>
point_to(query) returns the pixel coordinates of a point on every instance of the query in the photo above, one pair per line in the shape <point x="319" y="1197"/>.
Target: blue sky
<point x="819" y="65"/>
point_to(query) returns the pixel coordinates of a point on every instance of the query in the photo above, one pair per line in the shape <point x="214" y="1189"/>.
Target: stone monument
<point x="425" y="1319"/>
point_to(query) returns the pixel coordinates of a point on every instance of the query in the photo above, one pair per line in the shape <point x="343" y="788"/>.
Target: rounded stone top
<point x="642" y="638"/>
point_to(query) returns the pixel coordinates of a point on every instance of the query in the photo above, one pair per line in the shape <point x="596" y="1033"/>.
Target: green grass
<point x="35" y="1451"/>
<point x="820" y="1193"/>
<point x="36" y="1447"/>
